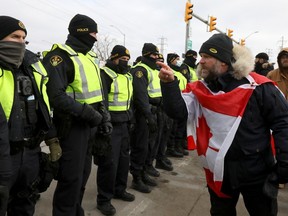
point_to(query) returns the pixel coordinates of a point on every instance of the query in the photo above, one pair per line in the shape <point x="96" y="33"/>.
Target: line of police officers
<point x="95" y="112"/>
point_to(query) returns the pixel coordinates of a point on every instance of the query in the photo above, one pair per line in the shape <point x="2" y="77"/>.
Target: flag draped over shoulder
<point x="213" y="119"/>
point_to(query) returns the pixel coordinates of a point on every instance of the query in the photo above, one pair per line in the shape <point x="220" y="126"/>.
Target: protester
<point x="231" y="115"/>
<point x="262" y="65"/>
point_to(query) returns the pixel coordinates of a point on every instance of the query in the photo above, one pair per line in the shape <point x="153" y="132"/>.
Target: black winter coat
<point x="249" y="159"/>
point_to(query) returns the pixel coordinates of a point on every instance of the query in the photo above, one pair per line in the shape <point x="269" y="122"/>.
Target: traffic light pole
<point x="207" y="23"/>
<point x="187" y="36"/>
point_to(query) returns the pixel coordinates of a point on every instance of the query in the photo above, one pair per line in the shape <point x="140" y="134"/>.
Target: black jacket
<point x="61" y="76"/>
<point x="5" y="161"/>
<point x="142" y="101"/>
<point x="249" y="159"/>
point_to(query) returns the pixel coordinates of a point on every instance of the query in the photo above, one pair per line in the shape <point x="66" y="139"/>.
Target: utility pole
<point x="282" y="41"/>
<point x="162" y="44"/>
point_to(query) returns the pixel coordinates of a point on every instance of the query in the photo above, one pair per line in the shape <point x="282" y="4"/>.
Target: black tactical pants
<point x="25" y="169"/>
<point x="74" y="171"/>
<point x="112" y="173"/>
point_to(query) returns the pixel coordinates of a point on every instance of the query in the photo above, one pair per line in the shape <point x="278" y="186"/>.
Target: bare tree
<point x="103" y="47"/>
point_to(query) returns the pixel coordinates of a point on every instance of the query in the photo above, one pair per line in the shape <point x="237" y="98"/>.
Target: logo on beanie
<point x="21" y="25"/>
<point x="82" y="30"/>
<point x="213" y="50"/>
<point x="127" y="52"/>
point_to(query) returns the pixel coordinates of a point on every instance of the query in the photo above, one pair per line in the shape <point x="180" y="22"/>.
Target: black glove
<point x="4" y="195"/>
<point x="152" y="124"/>
<point x="105" y="128"/>
<point x="270" y="188"/>
<point x="92" y="116"/>
<point x="101" y="145"/>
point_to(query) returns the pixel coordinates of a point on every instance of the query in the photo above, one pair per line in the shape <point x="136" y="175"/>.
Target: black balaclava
<point x="80" y="28"/>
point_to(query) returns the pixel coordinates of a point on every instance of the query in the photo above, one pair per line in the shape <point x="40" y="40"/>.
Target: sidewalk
<point x="181" y="192"/>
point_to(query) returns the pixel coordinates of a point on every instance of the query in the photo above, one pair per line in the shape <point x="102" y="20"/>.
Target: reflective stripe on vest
<point x="182" y="80"/>
<point x="86" y="86"/>
<point x="154" y="88"/>
<point x="7" y="87"/>
<point x="40" y="75"/>
<point x="119" y="97"/>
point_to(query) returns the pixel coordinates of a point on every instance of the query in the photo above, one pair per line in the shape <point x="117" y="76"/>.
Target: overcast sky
<point x="150" y="20"/>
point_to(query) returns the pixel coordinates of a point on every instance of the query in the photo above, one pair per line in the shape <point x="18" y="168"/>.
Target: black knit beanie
<point x="9" y="24"/>
<point x="190" y="54"/>
<point x="81" y="24"/>
<point x="263" y="56"/>
<point x="149" y="48"/>
<point x="219" y="46"/>
<point x="119" y="51"/>
<point x="171" y="57"/>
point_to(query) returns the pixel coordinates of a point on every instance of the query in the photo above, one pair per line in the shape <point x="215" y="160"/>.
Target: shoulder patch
<point x="139" y="74"/>
<point x="185" y="71"/>
<point x="55" y="60"/>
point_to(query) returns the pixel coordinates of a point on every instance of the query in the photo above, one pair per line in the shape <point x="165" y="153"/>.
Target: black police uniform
<point x="143" y="139"/>
<point x="189" y="61"/>
<point x="28" y="123"/>
<point x="73" y="130"/>
<point x="113" y="168"/>
<point x="178" y="137"/>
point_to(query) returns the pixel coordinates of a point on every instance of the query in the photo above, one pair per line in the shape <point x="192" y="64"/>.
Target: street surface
<point x="181" y="192"/>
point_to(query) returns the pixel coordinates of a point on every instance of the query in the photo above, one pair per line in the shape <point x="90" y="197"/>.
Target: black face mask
<point x="88" y="40"/>
<point x="123" y="66"/>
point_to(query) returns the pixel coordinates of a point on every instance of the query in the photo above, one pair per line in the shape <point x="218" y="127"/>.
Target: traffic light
<point x="188" y="11"/>
<point x="230" y="33"/>
<point x="242" y="42"/>
<point x="212" y="23"/>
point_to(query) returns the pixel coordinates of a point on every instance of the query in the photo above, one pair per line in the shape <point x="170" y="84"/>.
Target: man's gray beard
<point x="210" y="77"/>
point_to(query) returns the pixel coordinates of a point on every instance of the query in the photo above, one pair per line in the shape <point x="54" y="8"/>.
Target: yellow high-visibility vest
<point x="154" y="88"/>
<point x="86" y="86"/>
<point x="119" y="97"/>
<point x="7" y="87"/>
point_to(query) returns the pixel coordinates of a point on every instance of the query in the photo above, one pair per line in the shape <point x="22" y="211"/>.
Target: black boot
<point x="161" y="164"/>
<point x="138" y="184"/>
<point x="150" y="170"/>
<point x="166" y="160"/>
<point x="147" y="180"/>
<point x="179" y="147"/>
<point x="106" y="208"/>
<point x="172" y="153"/>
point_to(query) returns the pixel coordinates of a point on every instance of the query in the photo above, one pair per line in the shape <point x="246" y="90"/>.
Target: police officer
<point x="177" y="139"/>
<point x="147" y="96"/>
<point x="188" y="67"/>
<point x="113" y="168"/>
<point x="75" y="92"/>
<point x="25" y="103"/>
<point x="164" y="130"/>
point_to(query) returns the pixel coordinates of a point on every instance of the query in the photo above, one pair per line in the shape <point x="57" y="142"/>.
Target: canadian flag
<point x="213" y="119"/>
